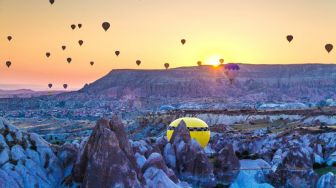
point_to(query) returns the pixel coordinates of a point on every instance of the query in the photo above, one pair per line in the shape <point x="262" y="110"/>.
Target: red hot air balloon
<point x="69" y="59"/>
<point x="117" y="53"/>
<point x="65" y="86"/>
<point x="183" y="41"/>
<point x="8" y="63"/>
<point x="73" y="26"/>
<point x="91" y="63"/>
<point x="48" y="54"/>
<point x="231" y="71"/>
<point x="138" y="62"/>
<point x="9" y="38"/>
<point x="51" y="1"/>
<point x="166" y="65"/>
<point x="106" y="26"/>
<point x="290" y="38"/>
<point x="50" y="85"/>
<point x="80" y="42"/>
<point x="199" y="63"/>
<point x="329" y="47"/>
<point x="63" y="47"/>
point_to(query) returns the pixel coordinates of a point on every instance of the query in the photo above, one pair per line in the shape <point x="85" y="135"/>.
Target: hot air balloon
<point x="106" y="26"/>
<point x="166" y="65"/>
<point x="69" y="59"/>
<point x="198" y="129"/>
<point x="138" y="62"/>
<point x="329" y="47"/>
<point x="48" y="54"/>
<point x="221" y="61"/>
<point x="199" y="63"/>
<point x="117" y="53"/>
<point x="289" y="38"/>
<point x="73" y="26"/>
<point x="9" y="38"/>
<point x="65" y="86"/>
<point x="79" y="26"/>
<point x="183" y="41"/>
<point x="91" y="63"/>
<point x="63" y="47"/>
<point x="80" y="42"/>
<point x="51" y="1"/>
<point x="231" y="71"/>
<point x="50" y="85"/>
<point x="8" y="63"/>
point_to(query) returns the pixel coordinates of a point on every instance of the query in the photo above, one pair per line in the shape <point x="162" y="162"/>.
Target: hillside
<point x="310" y="82"/>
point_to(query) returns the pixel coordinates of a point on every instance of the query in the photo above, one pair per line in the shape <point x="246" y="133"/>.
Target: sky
<point x="241" y="31"/>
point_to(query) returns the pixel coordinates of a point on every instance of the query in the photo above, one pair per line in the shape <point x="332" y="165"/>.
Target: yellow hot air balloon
<point x="198" y="129"/>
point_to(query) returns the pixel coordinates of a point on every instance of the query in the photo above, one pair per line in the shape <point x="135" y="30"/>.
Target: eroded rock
<point x="226" y="165"/>
<point x="192" y="163"/>
<point x="108" y="159"/>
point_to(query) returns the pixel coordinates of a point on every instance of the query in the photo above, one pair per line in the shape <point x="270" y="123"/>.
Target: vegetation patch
<point x="325" y="170"/>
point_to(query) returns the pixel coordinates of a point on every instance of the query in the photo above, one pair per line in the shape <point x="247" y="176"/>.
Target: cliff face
<point x="255" y="82"/>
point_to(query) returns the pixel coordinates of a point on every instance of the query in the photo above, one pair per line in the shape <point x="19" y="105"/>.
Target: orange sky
<point x="150" y="30"/>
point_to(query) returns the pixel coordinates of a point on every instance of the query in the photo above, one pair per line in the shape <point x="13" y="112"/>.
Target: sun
<point x="213" y="60"/>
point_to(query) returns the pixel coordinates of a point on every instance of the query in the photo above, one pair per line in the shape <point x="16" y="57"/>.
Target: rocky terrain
<point x="249" y="121"/>
<point x="111" y="133"/>
<point x="131" y="93"/>
<point x="108" y="158"/>
<point x="27" y="160"/>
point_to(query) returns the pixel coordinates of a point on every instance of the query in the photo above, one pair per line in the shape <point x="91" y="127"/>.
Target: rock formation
<point x="327" y="181"/>
<point x="26" y="160"/>
<point x="108" y="159"/>
<point x="226" y="165"/>
<point x="156" y="172"/>
<point x="192" y="164"/>
<point x="293" y="167"/>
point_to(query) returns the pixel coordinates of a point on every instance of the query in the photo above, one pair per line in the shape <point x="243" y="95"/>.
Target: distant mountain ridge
<point x="310" y="82"/>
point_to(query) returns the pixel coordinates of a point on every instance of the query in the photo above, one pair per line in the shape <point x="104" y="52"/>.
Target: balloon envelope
<point x="198" y="129"/>
<point x="166" y="65"/>
<point x="69" y="59"/>
<point x="329" y="47"/>
<point x="80" y="42"/>
<point x="231" y="71"/>
<point x="106" y="26"/>
<point x="51" y="1"/>
<point x="50" y="85"/>
<point x="73" y="26"/>
<point x="63" y="47"/>
<point x="48" y="54"/>
<point x="183" y="41"/>
<point x="65" y="86"/>
<point x="117" y="53"/>
<point x="9" y="38"/>
<point x="79" y="26"/>
<point x="199" y="63"/>
<point x="91" y="63"/>
<point x="290" y="38"/>
<point x="138" y="62"/>
<point x="8" y="63"/>
<point x="221" y="61"/>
